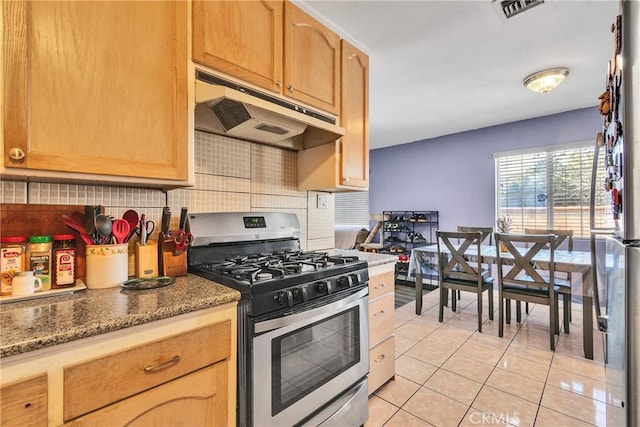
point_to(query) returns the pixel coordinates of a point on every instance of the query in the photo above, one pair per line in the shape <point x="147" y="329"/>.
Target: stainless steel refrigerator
<point x="616" y="255"/>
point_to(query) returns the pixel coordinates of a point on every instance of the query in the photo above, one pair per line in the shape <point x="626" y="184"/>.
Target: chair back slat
<point x="487" y="232"/>
<point x="521" y="249"/>
<point x="561" y="236"/>
<point x="453" y="264"/>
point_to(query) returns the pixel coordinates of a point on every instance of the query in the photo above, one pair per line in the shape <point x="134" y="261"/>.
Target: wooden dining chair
<point x="487" y="239"/>
<point x="459" y="272"/>
<point x="564" y="281"/>
<point x="519" y="280"/>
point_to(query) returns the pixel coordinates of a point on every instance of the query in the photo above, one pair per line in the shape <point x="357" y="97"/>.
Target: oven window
<point x="305" y="359"/>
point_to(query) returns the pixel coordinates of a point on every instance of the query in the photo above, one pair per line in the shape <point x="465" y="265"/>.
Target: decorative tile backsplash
<point x="230" y="176"/>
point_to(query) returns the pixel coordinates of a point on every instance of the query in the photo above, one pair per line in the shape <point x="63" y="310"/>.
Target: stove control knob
<point x="285" y="298"/>
<point x="355" y="279"/>
<point x="324" y="288"/>
<point x="345" y="282"/>
<point x="300" y="294"/>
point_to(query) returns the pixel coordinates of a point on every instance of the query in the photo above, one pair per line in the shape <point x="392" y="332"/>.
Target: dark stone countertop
<point x="44" y="322"/>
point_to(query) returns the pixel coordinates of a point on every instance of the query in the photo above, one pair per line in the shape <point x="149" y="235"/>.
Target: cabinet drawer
<point x="381" y="318"/>
<point x="382" y="364"/>
<point x="380" y="283"/>
<point x="24" y="403"/>
<point x="116" y="376"/>
<point x="197" y="399"/>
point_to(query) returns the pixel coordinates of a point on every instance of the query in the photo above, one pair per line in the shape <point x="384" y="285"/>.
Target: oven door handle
<point x="320" y="312"/>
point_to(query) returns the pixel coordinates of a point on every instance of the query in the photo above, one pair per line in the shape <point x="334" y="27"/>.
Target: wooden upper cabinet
<point x="97" y="87"/>
<point x="343" y="165"/>
<point x="240" y="38"/>
<point x="355" y="117"/>
<point x="311" y="60"/>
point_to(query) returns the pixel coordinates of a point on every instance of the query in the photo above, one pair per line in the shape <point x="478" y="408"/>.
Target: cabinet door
<point x="240" y="38"/>
<point x="311" y="61"/>
<point x="198" y="399"/>
<point x="24" y="403"/>
<point x="97" y="87"/>
<point x="354" y="117"/>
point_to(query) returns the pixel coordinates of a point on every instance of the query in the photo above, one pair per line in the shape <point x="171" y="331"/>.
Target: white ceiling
<point x="442" y="67"/>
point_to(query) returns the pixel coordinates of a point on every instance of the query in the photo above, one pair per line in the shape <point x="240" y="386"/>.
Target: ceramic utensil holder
<point x="107" y="265"/>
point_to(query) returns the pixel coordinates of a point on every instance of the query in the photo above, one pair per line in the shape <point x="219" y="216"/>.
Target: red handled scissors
<point x="182" y="239"/>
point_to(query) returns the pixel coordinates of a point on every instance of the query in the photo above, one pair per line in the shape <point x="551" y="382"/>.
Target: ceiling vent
<point x="510" y="8"/>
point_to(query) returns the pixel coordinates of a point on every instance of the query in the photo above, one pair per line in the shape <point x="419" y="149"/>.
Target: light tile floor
<point x="449" y="374"/>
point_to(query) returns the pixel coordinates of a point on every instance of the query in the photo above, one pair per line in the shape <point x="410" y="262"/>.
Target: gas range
<point x="259" y="255"/>
<point x="297" y="309"/>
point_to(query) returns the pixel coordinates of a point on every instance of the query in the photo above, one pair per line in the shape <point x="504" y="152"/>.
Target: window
<point x="352" y="208"/>
<point x="550" y="188"/>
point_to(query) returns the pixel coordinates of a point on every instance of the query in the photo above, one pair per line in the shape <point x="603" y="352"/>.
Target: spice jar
<point x="13" y="253"/>
<point x="39" y="258"/>
<point x="64" y="261"/>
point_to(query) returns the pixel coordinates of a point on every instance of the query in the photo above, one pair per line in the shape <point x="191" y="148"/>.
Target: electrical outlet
<point x="323" y="201"/>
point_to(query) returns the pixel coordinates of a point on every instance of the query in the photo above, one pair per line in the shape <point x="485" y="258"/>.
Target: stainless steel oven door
<point x="304" y="360"/>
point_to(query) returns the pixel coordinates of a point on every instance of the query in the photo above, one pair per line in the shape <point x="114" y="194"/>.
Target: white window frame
<point x="603" y="218"/>
<point x="352" y="208"/>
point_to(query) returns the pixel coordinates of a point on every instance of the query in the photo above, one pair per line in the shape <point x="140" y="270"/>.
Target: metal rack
<point x="405" y="230"/>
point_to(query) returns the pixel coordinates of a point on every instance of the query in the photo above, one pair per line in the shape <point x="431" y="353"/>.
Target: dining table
<point x="565" y="261"/>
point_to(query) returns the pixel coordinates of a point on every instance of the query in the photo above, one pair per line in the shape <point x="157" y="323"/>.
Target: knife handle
<point x="166" y="221"/>
<point x="183" y="218"/>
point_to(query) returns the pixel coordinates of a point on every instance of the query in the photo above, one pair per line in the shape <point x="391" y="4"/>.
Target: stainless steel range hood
<point x="226" y="108"/>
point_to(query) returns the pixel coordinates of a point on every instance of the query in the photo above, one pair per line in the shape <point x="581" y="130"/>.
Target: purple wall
<point x="454" y="174"/>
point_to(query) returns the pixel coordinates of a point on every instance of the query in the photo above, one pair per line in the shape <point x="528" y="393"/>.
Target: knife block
<point x="171" y="265"/>
<point x="146" y="259"/>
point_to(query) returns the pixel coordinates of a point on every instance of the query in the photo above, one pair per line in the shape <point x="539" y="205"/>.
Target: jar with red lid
<point x="64" y="260"/>
<point x="13" y="256"/>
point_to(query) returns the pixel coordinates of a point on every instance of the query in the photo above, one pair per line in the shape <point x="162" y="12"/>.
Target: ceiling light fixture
<point x="545" y="81"/>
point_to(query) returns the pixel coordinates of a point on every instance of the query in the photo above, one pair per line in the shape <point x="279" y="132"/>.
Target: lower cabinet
<point x="24" y="403"/>
<point x="381" y="325"/>
<point x="175" y="371"/>
<point x="161" y="364"/>
<point x="198" y="399"/>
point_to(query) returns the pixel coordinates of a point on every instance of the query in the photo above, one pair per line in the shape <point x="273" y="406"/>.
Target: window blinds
<point x="352" y="208"/>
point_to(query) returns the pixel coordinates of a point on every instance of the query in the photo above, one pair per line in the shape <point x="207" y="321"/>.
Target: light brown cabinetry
<point x="381" y="326"/>
<point x="96" y="88"/>
<point x="272" y="44"/>
<point x="24" y="403"/>
<point x="240" y="38"/>
<point x="181" y="378"/>
<point x="343" y="165"/>
<point x="311" y="60"/>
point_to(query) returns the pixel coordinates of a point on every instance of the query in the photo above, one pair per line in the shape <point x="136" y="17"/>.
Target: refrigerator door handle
<point x="595" y="289"/>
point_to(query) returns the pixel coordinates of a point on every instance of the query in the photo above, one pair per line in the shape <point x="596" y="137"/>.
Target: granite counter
<point x="34" y="324"/>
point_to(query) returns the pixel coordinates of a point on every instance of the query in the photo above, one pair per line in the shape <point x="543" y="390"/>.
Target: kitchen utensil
<point x="90" y="222"/>
<point x="145" y="229"/>
<point x="183" y="219"/>
<point x="71" y="222"/>
<point x="182" y="239"/>
<point x="104" y="227"/>
<point x="132" y="218"/>
<point x="121" y="230"/>
<point x="166" y="220"/>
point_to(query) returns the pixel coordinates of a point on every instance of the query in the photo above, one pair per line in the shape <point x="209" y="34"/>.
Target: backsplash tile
<point x="230" y="176"/>
<point x="13" y="191"/>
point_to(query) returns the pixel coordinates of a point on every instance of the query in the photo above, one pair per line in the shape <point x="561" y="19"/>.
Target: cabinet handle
<point x="150" y="369"/>
<point x="380" y="286"/>
<point x="279" y="84"/>
<point x="290" y="87"/>
<point x="379" y="358"/>
<point x="16" y="154"/>
<point x="380" y="313"/>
